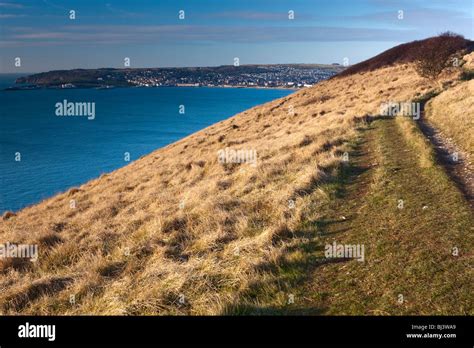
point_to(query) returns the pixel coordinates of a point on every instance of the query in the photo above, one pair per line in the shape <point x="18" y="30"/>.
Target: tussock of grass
<point x="16" y="264"/>
<point x="45" y="287"/>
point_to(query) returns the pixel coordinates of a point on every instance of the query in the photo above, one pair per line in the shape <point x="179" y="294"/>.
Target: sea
<point x="42" y="154"/>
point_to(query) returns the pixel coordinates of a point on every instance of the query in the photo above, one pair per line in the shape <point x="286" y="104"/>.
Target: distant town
<point x="253" y="76"/>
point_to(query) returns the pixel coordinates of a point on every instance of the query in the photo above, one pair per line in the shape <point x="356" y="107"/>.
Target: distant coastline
<point x="282" y="76"/>
<point x="29" y="88"/>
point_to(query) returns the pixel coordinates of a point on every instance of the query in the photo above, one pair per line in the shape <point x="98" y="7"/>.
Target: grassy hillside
<point x="453" y="112"/>
<point x="177" y="232"/>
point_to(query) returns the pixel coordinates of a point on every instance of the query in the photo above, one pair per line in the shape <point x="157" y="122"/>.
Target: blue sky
<point x="213" y="32"/>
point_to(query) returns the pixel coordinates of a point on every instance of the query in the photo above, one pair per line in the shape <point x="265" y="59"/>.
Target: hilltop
<point x="411" y="52"/>
<point x="179" y="232"/>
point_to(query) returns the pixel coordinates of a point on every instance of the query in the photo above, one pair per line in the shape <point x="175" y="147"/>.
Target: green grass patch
<point x="410" y="218"/>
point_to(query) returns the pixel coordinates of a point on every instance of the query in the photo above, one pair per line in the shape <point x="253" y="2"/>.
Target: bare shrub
<point x="432" y="60"/>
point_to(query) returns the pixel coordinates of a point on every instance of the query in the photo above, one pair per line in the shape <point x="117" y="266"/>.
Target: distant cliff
<point x="78" y="77"/>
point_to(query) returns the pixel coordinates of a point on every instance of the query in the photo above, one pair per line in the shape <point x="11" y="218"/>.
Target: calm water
<point x="60" y="152"/>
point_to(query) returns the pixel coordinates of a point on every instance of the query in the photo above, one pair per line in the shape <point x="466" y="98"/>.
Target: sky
<point x="150" y="33"/>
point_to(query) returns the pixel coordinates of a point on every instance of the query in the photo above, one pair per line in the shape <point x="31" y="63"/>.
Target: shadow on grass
<point x="286" y="275"/>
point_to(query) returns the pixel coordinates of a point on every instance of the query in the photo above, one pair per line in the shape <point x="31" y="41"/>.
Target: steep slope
<point x="177" y="231"/>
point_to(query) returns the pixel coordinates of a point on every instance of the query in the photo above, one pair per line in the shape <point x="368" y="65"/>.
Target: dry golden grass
<point x="468" y="61"/>
<point x="453" y="112"/>
<point x="178" y="225"/>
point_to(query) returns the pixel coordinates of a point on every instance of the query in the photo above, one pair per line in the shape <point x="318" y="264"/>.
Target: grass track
<point x="409" y="264"/>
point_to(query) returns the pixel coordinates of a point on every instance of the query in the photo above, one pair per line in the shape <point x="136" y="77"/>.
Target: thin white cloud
<point x="199" y="34"/>
<point x="414" y="16"/>
<point x="250" y="15"/>
<point x="11" y="5"/>
<point x="7" y="15"/>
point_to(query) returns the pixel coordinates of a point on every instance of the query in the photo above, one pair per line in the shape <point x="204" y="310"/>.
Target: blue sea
<point x="60" y="152"/>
